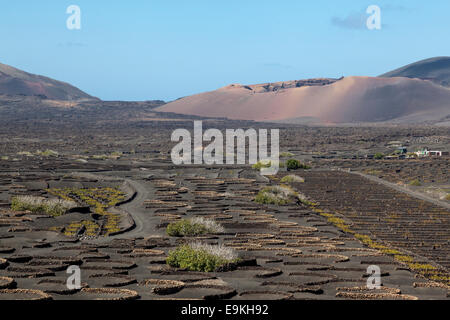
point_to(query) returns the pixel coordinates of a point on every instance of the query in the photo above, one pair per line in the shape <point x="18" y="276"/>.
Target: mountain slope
<point x="16" y="82"/>
<point x="435" y="69"/>
<point x="349" y="100"/>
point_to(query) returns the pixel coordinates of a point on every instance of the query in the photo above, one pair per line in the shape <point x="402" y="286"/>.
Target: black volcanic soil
<point x="295" y="251"/>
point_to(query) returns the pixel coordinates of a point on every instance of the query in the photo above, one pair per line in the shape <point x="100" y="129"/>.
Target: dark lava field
<point x="354" y="211"/>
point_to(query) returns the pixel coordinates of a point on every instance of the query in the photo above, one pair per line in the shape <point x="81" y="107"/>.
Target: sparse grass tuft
<point x="415" y="183"/>
<point x="378" y="156"/>
<point x="47" y="153"/>
<point x="100" y="157"/>
<point x="193" y="227"/>
<point x="201" y="257"/>
<point x="278" y="195"/>
<point x="53" y="207"/>
<point x="292" y="178"/>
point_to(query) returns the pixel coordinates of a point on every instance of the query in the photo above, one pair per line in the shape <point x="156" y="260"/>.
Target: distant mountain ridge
<point x="416" y="93"/>
<point x="434" y="69"/>
<point x="16" y="82"/>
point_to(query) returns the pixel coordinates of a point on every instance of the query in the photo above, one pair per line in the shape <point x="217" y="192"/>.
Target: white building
<point x="427" y="153"/>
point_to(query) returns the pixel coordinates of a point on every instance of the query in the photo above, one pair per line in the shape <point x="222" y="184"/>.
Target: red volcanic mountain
<point x="17" y="82"/>
<point x="347" y="100"/>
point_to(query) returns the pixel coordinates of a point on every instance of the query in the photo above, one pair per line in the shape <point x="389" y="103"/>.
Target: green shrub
<point x="278" y="195"/>
<point x="200" y="257"/>
<point x="53" y="207"/>
<point x="415" y="183"/>
<point x="193" y="227"/>
<point x="378" y="156"/>
<point x="293" y="164"/>
<point x="268" y="198"/>
<point x="47" y="153"/>
<point x="117" y="154"/>
<point x="100" y="157"/>
<point x="292" y="178"/>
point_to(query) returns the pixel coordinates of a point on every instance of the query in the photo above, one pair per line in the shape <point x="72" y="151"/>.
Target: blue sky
<point x="144" y="50"/>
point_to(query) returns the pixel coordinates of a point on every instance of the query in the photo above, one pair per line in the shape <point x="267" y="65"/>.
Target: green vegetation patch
<point x="415" y="183"/>
<point x="378" y="156"/>
<point x="100" y="199"/>
<point x="293" y="164"/>
<point x="278" y="195"/>
<point x="193" y="227"/>
<point x="53" y="207"/>
<point x="201" y="257"/>
<point x="47" y="153"/>
<point x="292" y="178"/>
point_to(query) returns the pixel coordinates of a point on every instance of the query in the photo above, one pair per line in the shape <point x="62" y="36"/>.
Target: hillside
<point x="16" y="82"/>
<point x="348" y="100"/>
<point x="434" y="69"/>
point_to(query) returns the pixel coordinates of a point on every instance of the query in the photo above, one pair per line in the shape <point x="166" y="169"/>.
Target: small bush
<point x="447" y="197"/>
<point x="201" y="257"/>
<point x="293" y="164"/>
<point x="292" y="178"/>
<point x="100" y="157"/>
<point x="47" y="153"/>
<point x="415" y="183"/>
<point x="53" y="207"/>
<point x="378" y="156"/>
<point x="117" y="154"/>
<point x="193" y="227"/>
<point x="278" y="195"/>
